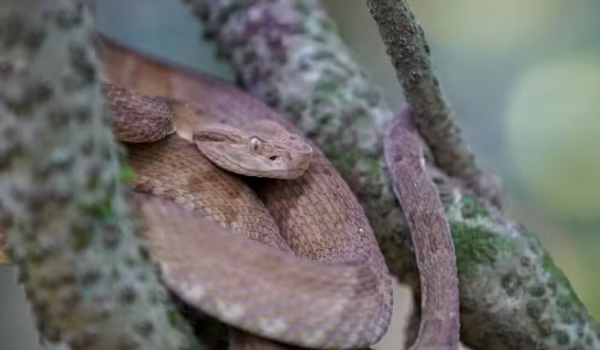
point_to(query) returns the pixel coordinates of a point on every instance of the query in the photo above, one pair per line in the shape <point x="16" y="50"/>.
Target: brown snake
<point x="265" y="291"/>
<point x="317" y="278"/>
<point x="335" y="292"/>
<point x="342" y="300"/>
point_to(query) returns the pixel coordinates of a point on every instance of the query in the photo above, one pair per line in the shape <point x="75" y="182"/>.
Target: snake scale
<point x="320" y="281"/>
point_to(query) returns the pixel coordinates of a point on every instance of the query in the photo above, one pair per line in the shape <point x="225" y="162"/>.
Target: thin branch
<point x="410" y="54"/>
<point x="288" y="53"/>
<point x="67" y="214"/>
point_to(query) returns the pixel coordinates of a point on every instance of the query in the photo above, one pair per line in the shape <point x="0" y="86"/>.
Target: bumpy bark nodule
<point x="289" y="54"/>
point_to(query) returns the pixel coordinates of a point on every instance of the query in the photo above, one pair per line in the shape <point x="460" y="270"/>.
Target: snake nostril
<point x="273" y="157"/>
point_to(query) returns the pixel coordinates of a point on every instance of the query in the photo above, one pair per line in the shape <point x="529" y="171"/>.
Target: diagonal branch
<point x="288" y="53"/>
<point x="410" y="54"/>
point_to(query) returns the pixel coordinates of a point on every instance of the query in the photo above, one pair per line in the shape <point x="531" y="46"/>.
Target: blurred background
<point x="523" y="77"/>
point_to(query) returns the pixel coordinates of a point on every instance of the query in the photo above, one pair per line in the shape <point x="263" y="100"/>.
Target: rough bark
<point x="289" y="54"/>
<point x="68" y="217"/>
<point x="410" y="54"/>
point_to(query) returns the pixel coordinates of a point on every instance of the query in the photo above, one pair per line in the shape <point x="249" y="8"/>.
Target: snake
<point x="329" y="290"/>
<point x="295" y="259"/>
<point x="247" y="219"/>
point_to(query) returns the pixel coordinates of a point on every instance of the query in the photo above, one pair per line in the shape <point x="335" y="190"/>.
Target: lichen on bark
<point x="289" y="54"/>
<point x="68" y="217"/>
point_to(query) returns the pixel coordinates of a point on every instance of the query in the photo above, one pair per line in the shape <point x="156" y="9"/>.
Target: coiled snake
<point x="320" y="281"/>
<point x="316" y="277"/>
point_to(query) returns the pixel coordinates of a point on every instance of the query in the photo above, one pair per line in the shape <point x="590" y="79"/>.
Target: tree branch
<point x="67" y="215"/>
<point x="407" y="47"/>
<point x="289" y="54"/>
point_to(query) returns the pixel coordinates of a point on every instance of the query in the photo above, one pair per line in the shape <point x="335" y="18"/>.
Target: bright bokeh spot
<point x="553" y="131"/>
<point x="489" y="25"/>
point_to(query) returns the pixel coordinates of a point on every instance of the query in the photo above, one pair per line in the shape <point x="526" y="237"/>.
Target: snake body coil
<point x="342" y="302"/>
<point x="319" y="282"/>
<point x="291" y="260"/>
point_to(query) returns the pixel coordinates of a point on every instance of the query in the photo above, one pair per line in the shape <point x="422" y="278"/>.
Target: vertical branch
<point x="67" y="214"/>
<point x="410" y="54"/>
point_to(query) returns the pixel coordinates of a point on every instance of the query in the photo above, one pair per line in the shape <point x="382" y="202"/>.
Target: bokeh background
<point x="523" y="77"/>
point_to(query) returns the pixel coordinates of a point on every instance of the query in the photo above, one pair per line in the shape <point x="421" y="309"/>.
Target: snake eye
<point x="255" y="144"/>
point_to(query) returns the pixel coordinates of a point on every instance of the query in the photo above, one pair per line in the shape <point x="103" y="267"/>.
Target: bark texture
<point x="410" y="54"/>
<point x="289" y="54"/>
<point x="70" y="225"/>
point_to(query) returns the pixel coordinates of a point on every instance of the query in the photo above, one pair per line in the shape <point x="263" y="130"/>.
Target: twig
<point x="425" y="217"/>
<point x="410" y="54"/>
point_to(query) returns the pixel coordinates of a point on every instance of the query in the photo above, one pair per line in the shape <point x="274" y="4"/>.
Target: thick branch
<point x="410" y="54"/>
<point x="288" y="53"/>
<point x="67" y="215"/>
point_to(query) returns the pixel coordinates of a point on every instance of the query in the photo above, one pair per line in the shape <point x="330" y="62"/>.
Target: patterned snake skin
<point x="290" y="260"/>
<point x="320" y="281"/>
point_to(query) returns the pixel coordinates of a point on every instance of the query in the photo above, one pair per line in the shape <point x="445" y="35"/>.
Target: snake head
<point x="259" y="149"/>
